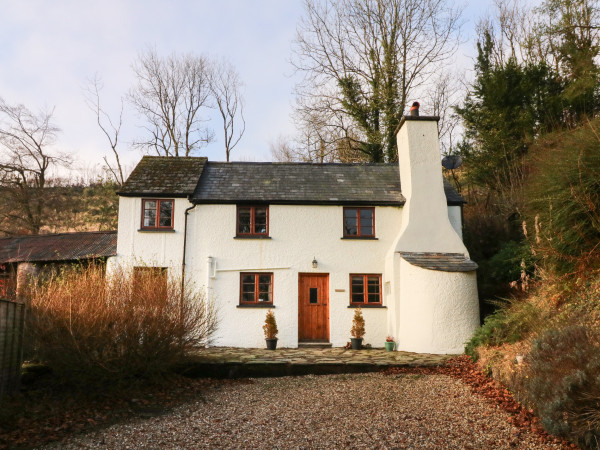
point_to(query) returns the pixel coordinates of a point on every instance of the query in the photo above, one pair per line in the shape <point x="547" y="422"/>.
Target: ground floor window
<point x="365" y="289"/>
<point x="256" y="288"/>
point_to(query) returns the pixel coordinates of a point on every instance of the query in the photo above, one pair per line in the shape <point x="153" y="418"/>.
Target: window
<point x="359" y="222"/>
<point x="157" y="213"/>
<point x="252" y="220"/>
<point x="256" y="288"/>
<point x="365" y="289"/>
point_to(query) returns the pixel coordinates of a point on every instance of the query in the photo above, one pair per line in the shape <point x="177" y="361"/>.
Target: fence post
<point x="12" y="319"/>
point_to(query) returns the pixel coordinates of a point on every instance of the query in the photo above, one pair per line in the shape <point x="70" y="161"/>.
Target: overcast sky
<point x="50" y="48"/>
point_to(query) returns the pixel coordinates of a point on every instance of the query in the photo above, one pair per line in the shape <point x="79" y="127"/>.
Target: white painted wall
<point x="438" y="310"/>
<point x="152" y="248"/>
<point x="433" y="311"/>
<point x="426" y="227"/>
<point x="298" y="234"/>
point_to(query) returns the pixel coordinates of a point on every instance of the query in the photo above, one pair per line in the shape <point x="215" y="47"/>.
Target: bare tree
<point x="282" y="149"/>
<point x="25" y="162"/>
<point x="170" y="95"/>
<point x="110" y="129"/>
<point x="225" y="85"/>
<point x="364" y="59"/>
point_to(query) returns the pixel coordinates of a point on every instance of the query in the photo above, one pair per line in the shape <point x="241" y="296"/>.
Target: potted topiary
<point x="270" y="329"/>
<point x="358" y="329"/>
<point x="390" y="344"/>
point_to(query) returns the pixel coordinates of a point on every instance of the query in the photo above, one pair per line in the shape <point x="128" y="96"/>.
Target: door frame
<point x="327" y="309"/>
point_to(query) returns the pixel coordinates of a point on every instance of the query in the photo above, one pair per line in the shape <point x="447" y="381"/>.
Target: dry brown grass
<point x="90" y="327"/>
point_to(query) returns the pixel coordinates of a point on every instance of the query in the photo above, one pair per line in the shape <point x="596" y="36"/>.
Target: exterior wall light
<point x="315" y="264"/>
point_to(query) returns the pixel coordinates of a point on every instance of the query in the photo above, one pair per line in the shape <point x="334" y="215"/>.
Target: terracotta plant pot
<point x="390" y="346"/>
<point x="271" y="343"/>
<point x="356" y="343"/>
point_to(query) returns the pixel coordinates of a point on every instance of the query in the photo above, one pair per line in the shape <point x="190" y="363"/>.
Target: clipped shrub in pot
<point x="358" y="329"/>
<point x="270" y="329"/>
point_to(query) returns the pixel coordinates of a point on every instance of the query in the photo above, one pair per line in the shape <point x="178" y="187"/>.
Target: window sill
<point x="367" y="306"/>
<point x="156" y="230"/>
<point x="256" y="305"/>
<point x="252" y="237"/>
<point x="360" y="238"/>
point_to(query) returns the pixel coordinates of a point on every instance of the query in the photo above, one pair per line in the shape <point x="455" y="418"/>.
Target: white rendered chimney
<point x="425" y="223"/>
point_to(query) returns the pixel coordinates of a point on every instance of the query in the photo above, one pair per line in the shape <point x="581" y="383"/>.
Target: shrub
<point x="270" y="326"/>
<point x="358" y="324"/>
<point x="563" y="383"/>
<point x="89" y="327"/>
<point x="564" y="193"/>
<point x="511" y="322"/>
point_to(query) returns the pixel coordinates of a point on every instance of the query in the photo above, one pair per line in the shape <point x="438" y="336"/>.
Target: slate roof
<point x="304" y="183"/>
<point x="158" y="176"/>
<point x="445" y="262"/>
<point x="58" y="247"/>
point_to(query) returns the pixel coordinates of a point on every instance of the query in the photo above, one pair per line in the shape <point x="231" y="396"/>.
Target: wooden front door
<point x="313" y="307"/>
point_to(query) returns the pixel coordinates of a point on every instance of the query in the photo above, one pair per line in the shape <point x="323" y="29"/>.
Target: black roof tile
<point x="159" y="176"/>
<point x="445" y="262"/>
<point x="304" y="183"/>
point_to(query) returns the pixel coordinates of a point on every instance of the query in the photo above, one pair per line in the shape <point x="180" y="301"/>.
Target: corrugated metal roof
<point x="305" y="183"/>
<point x="445" y="262"/>
<point x="160" y="176"/>
<point x="58" y="247"/>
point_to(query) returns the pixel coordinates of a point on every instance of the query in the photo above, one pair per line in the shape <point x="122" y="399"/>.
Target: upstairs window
<point x="365" y="289"/>
<point x="256" y="288"/>
<point x="157" y="214"/>
<point x="359" y="222"/>
<point x="252" y="220"/>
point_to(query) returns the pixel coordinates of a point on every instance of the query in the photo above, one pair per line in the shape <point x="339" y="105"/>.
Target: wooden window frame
<point x="157" y="225"/>
<point x="365" y="301"/>
<point x="358" y="234"/>
<point x="256" y="276"/>
<point x="252" y="221"/>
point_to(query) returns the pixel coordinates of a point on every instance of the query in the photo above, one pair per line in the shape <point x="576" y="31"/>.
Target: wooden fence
<point x="12" y="318"/>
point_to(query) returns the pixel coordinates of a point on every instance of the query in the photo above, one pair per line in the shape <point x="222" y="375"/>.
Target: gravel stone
<point x="334" y="411"/>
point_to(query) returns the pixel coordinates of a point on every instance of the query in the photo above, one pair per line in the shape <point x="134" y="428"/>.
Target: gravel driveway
<point x="334" y="411"/>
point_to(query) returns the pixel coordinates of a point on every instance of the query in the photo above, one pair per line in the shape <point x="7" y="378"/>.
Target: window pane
<point x="374" y="298"/>
<point x="366" y="222"/>
<point x="248" y="296"/>
<point x="314" y="295"/>
<point x="262" y="279"/>
<point x="373" y="290"/>
<point x="358" y="298"/>
<point x="244" y="220"/>
<point x="264" y="288"/>
<point x="149" y="217"/>
<point x="350" y="222"/>
<point x="166" y="210"/>
<point x="260" y="220"/>
<point x="373" y="285"/>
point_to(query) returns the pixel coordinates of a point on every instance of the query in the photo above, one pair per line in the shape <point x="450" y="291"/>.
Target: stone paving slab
<point x="230" y="362"/>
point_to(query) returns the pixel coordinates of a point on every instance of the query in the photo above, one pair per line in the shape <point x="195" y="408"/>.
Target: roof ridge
<point x="300" y="163"/>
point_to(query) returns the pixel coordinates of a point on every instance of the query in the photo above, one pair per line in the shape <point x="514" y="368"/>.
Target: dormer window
<point x="359" y="222"/>
<point x="157" y="214"/>
<point x="253" y="220"/>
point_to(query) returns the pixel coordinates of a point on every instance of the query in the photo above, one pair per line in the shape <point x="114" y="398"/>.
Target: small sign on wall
<point x="340" y="290"/>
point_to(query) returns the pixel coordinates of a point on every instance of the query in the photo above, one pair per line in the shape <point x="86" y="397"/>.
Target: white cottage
<point x="312" y="242"/>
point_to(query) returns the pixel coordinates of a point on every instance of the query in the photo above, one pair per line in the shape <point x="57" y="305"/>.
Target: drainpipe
<point x="187" y="211"/>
